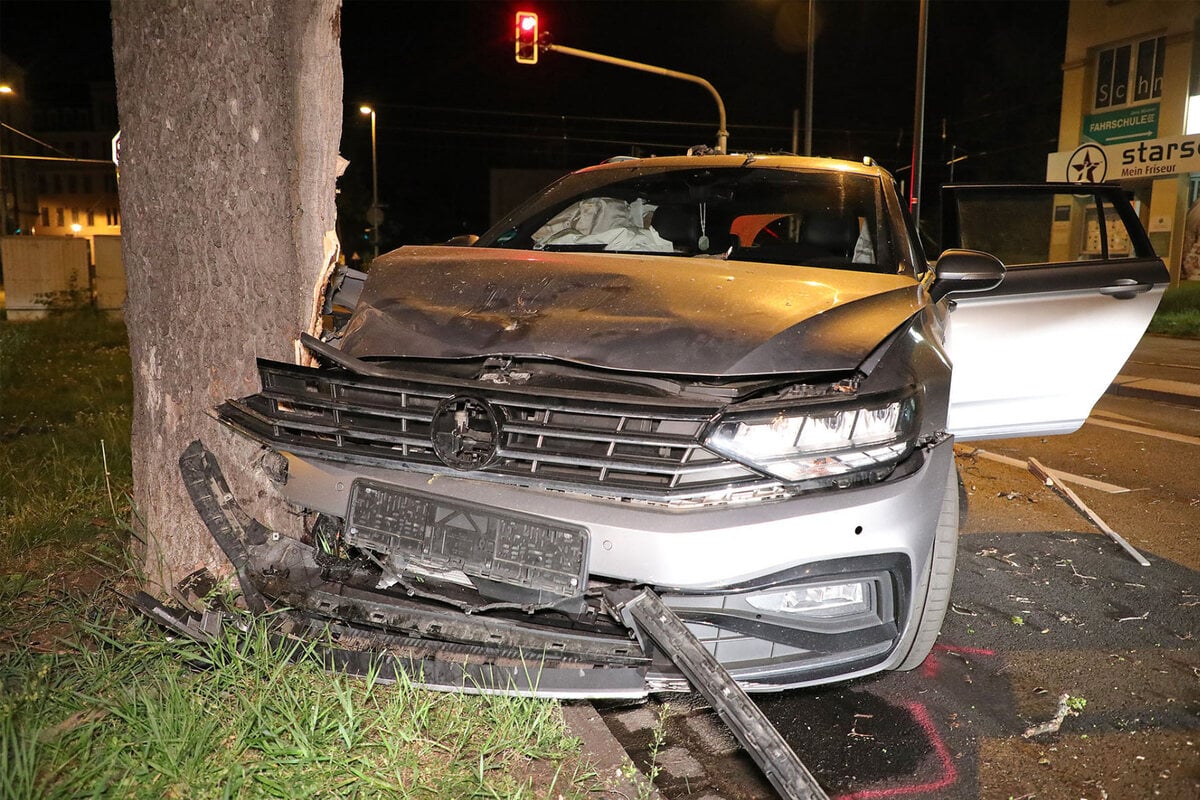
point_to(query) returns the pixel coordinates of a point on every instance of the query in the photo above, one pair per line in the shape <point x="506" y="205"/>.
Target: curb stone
<point x="1176" y="392"/>
<point x="618" y="774"/>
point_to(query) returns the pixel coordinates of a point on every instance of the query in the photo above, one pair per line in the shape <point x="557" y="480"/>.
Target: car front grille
<point x="645" y="450"/>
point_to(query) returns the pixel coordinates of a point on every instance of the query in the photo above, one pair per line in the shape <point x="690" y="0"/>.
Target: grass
<point x="122" y="711"/>
<point x="64" y="389"/>
<point x="97" y="701"/>
<point x="1179" y="312"/>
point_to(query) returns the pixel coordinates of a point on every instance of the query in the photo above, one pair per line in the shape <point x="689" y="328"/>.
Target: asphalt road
<point x="1044" y="606"/>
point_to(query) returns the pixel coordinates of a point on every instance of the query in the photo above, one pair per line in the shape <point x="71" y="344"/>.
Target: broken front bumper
<point x="709" y="565"/>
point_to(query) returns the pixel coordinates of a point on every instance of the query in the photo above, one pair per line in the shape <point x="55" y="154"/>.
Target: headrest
<point x="830" y="231"/>
<point x="677" y="223"/>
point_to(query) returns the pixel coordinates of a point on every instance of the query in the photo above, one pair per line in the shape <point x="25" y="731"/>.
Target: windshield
<point x="812" y="218"/>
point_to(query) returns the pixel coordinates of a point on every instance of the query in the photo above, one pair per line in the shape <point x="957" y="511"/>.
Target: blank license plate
<point x="433" y="532"/>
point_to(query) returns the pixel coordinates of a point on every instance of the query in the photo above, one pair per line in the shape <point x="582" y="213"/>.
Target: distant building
<point x="1131" y="115"/>
<point x="79" y="193"/>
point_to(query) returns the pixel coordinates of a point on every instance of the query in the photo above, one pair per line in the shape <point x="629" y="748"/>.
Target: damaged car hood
<point x="662" y="314"/>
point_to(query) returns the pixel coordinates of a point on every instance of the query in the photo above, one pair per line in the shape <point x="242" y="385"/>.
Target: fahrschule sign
<point x="1125" y="125"/>
<point x="1153" y="158"/>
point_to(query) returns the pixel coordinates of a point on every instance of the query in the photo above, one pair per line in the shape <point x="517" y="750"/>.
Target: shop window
<point x="1130" y="73"/>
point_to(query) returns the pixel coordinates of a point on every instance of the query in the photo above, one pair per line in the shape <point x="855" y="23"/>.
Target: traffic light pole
<point x="722" y="133"/>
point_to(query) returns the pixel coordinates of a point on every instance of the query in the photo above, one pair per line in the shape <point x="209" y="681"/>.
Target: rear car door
<point x="1032" y="356"/>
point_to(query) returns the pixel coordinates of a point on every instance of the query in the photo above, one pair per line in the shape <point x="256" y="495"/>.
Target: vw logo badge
<point x="1088" y="164"/>
<point x="465" y="432"/>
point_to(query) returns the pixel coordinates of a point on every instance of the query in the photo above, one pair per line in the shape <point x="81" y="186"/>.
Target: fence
<point x="42" y="273"/>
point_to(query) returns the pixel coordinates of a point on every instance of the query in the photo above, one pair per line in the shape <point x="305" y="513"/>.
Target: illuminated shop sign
<point x="1153" y="158"/>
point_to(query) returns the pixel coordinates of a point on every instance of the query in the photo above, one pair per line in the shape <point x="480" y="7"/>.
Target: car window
<point x="1026" y="228"/>
<point x="812" y="218"/>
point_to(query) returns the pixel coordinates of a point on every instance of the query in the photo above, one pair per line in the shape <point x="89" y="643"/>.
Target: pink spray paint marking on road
<point x="948" y="777"/>
<point x="930" y="666"/>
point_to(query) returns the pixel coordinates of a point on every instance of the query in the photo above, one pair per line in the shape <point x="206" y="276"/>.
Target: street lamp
<point x="373" y="216"/>
<point x="5" y="91"/>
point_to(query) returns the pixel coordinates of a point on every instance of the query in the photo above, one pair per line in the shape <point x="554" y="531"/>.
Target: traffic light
<point x="527" y="37"/>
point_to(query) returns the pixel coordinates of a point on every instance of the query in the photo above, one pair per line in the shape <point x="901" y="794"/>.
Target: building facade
<point x="77" y="187"/>
<point x="1131" y="115"/>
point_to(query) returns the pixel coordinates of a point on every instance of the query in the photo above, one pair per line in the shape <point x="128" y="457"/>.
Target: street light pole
<point x="374" y="217"/>
<point x="914" y="197"/>
<point x="5" y="91"/>
<point x="722" y="133"/>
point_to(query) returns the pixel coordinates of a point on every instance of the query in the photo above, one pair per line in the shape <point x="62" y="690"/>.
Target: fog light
<point x="822" y="601"/>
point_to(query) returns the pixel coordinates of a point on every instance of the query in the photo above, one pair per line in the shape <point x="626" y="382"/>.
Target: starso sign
<point x="1088" y="164"/>
<point x="1154" y="158"/>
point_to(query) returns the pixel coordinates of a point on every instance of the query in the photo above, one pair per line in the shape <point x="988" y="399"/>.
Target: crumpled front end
<point x="491" y="505"/>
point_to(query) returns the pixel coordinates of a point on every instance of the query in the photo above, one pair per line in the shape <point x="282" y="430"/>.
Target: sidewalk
<point x="1162" y="368"/>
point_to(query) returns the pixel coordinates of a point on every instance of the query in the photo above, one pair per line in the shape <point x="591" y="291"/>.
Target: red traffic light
<point x="527" y="37"/>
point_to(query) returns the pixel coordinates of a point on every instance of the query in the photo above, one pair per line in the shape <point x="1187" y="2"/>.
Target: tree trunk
<point x="230" y="120"/>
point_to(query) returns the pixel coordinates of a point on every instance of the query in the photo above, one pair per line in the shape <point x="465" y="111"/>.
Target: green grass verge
<point x="96" y="701"/>
<point x="122" y="711"/>
<point x="64" y="390"/>
<point x="1179" y="312"/>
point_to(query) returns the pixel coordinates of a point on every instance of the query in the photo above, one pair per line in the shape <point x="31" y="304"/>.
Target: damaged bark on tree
<point x="230" y="120"/>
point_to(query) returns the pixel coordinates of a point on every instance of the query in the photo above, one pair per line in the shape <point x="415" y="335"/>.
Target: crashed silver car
<point x="732" y="380"/>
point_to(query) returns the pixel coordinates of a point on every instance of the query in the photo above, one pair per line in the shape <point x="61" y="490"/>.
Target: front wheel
<point x="934" y="592"/>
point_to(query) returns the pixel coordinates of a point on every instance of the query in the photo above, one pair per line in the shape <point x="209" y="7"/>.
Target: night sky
<point x="452" y="102"/>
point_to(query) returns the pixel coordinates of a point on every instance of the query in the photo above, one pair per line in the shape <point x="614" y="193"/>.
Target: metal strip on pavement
<point x="1066" y="477"/>
<point x="649" y="615"/>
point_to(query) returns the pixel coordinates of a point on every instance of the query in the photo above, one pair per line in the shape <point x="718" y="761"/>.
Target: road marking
<point x="1096" y="412"/>
<point x="1156" y="364"/>
<point x="1067" y="477"/>
<point x="1173" y="437"/>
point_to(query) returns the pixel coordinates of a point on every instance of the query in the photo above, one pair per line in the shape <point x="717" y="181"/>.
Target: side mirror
<point x="462" y="240"/>
<point x="965" y="271"/>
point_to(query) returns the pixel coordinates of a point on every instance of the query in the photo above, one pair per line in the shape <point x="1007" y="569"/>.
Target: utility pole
<point x="808" y="92"/>
<point x="914" y="197"/>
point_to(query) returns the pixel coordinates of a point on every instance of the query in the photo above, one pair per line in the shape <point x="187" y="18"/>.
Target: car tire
<point x="937" y="585"/>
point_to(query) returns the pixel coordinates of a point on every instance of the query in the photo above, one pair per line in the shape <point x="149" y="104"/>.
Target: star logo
<point x="1088" y="164"/>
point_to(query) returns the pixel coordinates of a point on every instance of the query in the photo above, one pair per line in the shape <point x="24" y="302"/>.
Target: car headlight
<point x="799" y="444"/>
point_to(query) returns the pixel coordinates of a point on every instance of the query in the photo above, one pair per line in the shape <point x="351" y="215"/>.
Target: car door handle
<point x="1126" y="289"/>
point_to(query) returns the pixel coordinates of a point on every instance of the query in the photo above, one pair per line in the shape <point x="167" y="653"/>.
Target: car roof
<point x="742" y="160"/>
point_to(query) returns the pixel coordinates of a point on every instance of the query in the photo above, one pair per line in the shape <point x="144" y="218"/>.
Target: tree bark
<point x="230" y="120"/>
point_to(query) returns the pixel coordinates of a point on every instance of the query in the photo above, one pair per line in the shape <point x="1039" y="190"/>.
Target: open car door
<point x="1033" y="355"/>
